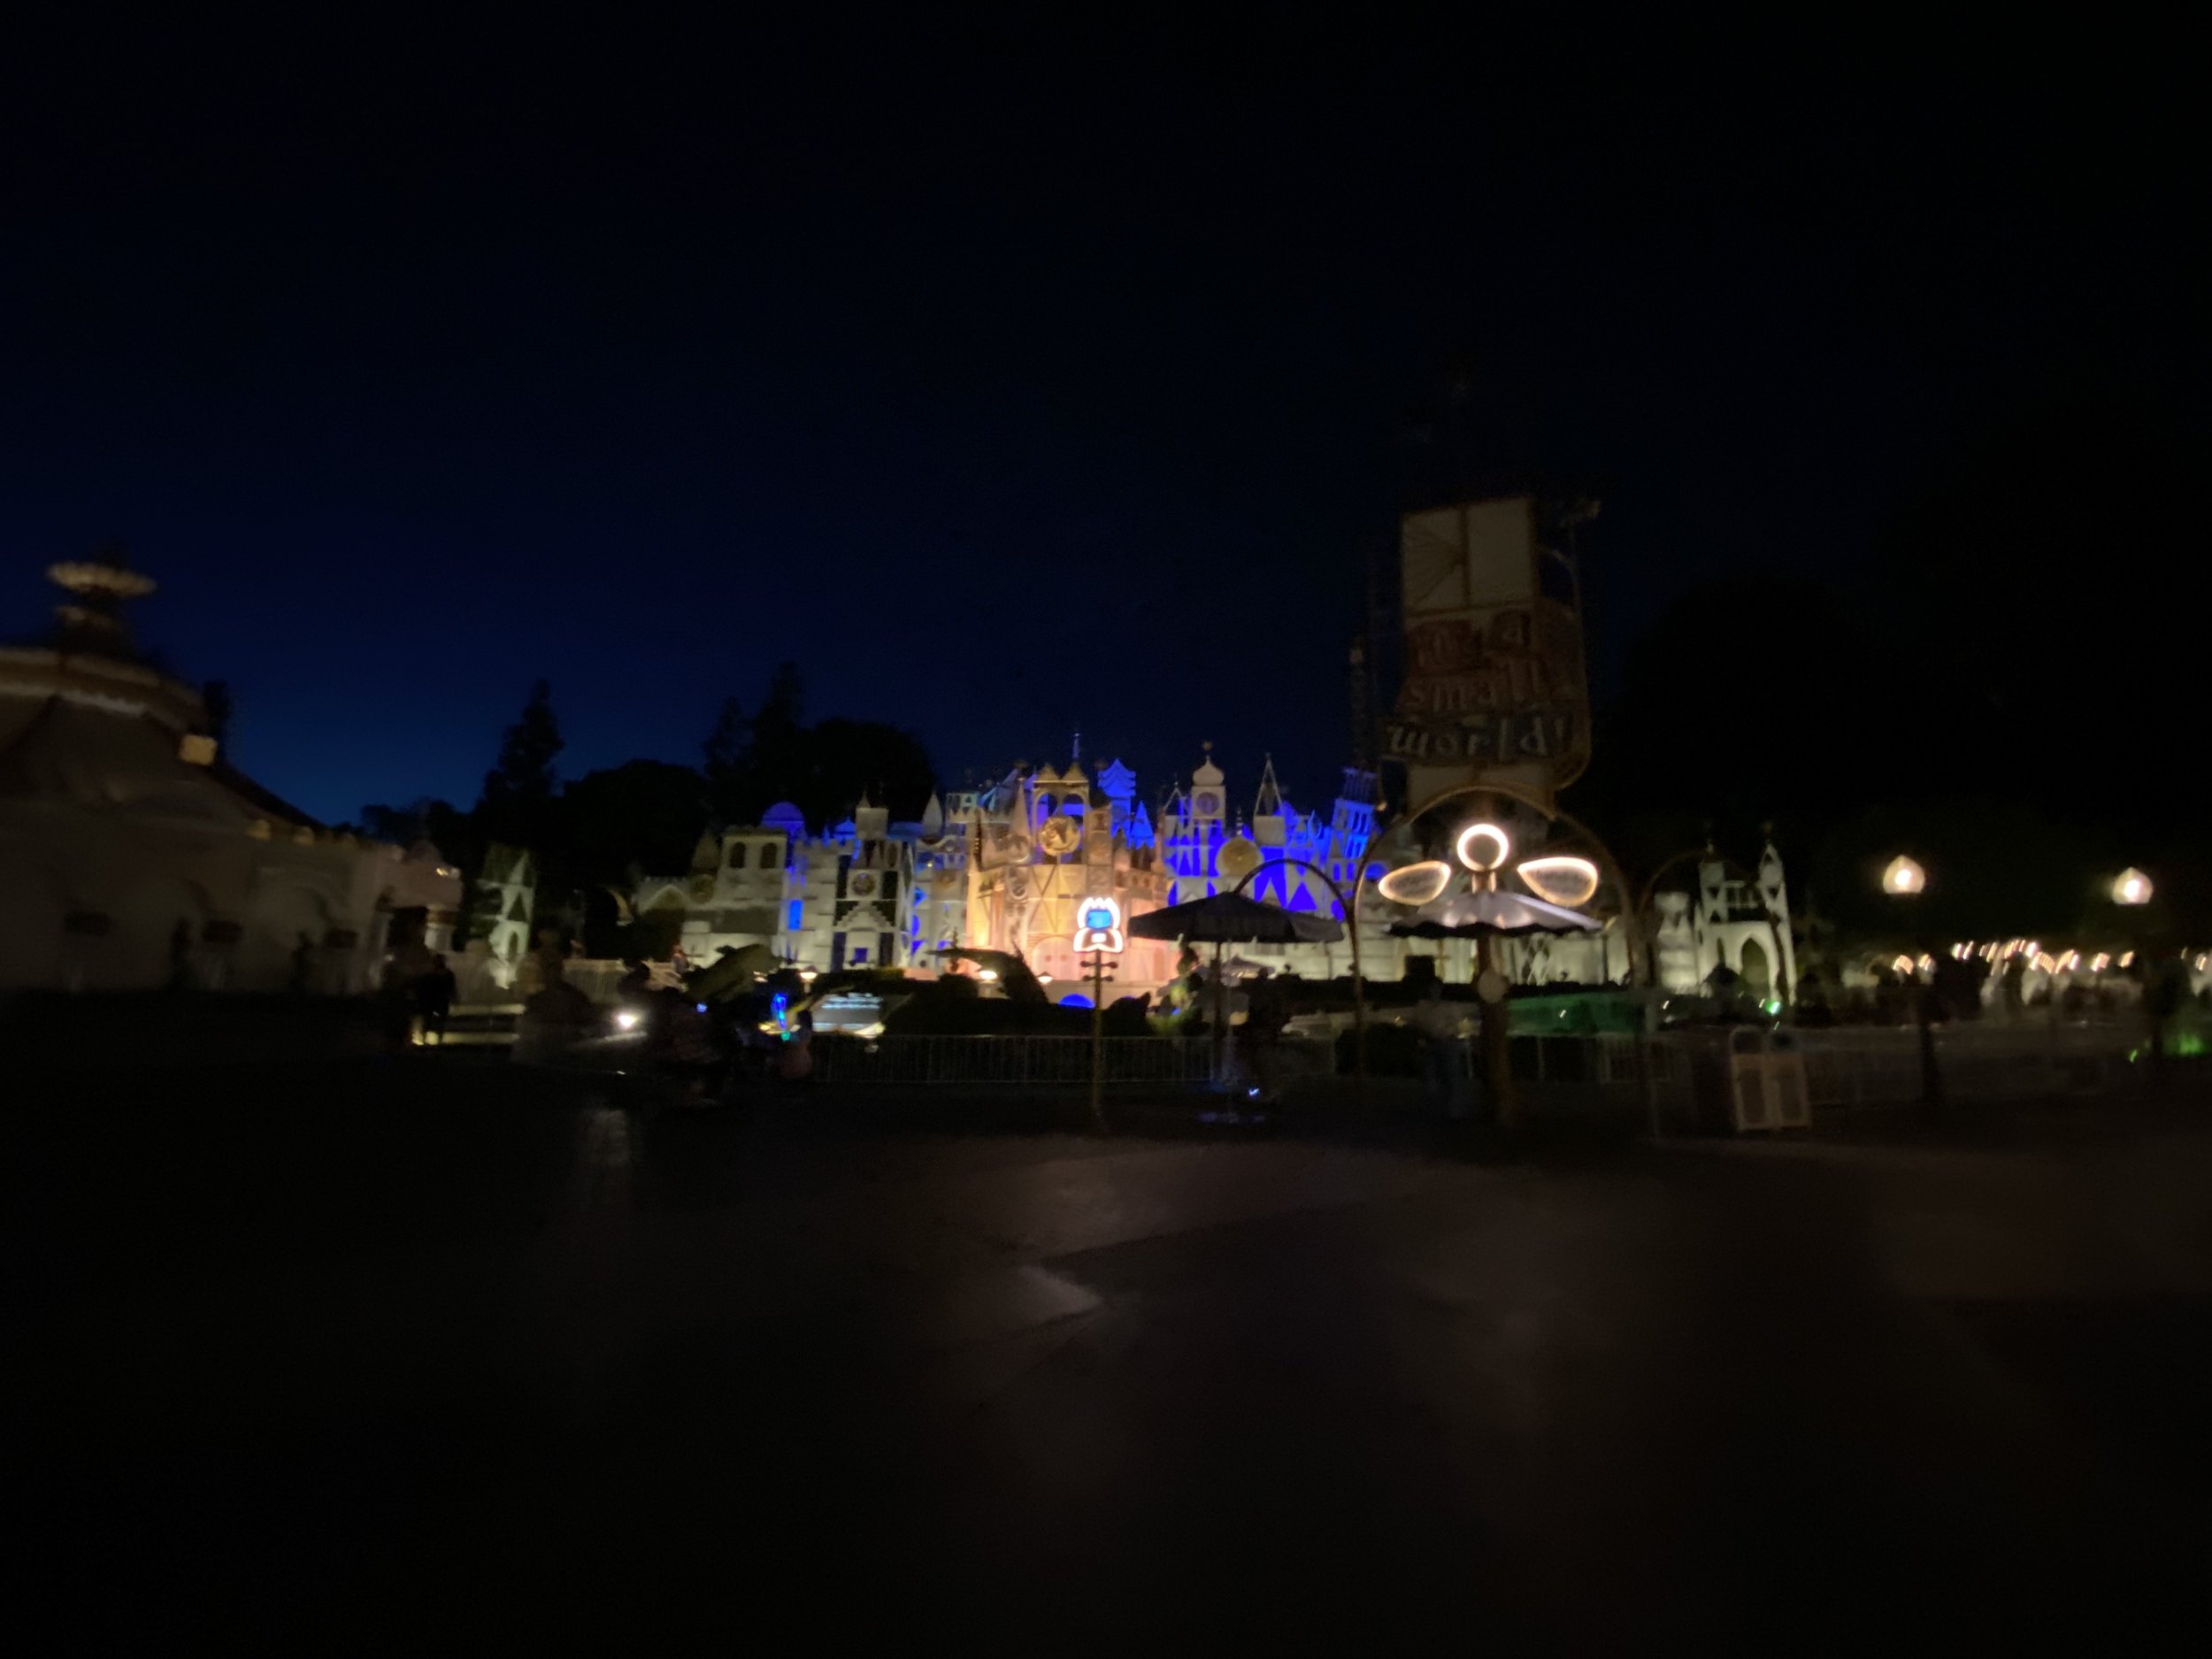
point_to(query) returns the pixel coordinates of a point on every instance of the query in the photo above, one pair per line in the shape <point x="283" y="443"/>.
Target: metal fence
<point x="1012" y="1061"/>
<point x="1881" y="1065"/>
<point x="1844" y="1068"/>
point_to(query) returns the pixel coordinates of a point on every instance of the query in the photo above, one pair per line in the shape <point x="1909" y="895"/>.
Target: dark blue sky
<point x="1008" y="385"/>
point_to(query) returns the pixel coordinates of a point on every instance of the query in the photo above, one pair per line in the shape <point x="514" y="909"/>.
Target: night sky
<point x="1008" y="384"/>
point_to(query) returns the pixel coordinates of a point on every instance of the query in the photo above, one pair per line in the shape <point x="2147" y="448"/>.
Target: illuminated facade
<point x="1007" y="867"/>
<point x="843" y="899"/>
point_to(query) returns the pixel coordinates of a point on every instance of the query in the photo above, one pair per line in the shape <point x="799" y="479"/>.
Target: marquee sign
<point x="1494" y="680"/>
<point x="1098" y="928"/>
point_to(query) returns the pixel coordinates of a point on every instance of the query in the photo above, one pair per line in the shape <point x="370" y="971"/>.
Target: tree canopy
<point x="595" y="834"/>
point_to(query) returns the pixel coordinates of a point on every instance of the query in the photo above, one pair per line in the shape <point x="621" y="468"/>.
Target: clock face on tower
<point x="1206" y="803"/>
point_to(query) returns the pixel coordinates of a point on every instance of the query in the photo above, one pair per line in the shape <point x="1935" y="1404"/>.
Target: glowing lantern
<point x="1416" y="884"/>
<point x="1562" y="879"/>
<point x="1483" y="846"/>
<point x="2130" y="887"/>
<point x="1903" y="877"/>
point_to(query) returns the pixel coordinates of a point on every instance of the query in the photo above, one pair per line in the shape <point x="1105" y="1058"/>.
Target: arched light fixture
<point x="1416" y="884"/>
<point x="1561" y="879"/>
<point x="1903" y="877"/>
<point x="1483" y="846"/>
<point x="2130" y="887"/>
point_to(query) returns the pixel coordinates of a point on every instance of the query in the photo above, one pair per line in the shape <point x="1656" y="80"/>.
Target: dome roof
<point x="785" y="817"/>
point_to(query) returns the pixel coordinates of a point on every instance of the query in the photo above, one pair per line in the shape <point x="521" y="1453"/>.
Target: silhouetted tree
<point x="727" y="752"/>
<point x="444" y="826"/>
<point x="642" y="817"/>
<point x="850" y="758"/>
<point x="823" y="769"/>
<point x="517" y="799"/>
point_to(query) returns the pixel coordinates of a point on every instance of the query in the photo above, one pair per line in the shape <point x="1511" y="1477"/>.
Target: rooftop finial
<point x="92" y="620"/>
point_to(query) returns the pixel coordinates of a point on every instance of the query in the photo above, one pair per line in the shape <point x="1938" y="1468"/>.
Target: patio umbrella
<point x="1483" y="915"/>
<point x="1230" y="918"/>
<point x="1472" y="914"/>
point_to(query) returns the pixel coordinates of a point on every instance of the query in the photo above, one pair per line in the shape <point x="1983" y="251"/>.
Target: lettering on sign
<point x="1498" y="690"/>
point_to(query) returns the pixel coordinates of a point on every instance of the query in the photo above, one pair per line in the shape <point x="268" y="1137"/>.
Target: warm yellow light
<point x="1903" y="877"/>
<point x="1927" y="964"/>
<point x="2131" y="886"/>
<point x="2045" y="965"/>
<point x="2101" y="964"/>
<point x="1416" y="884"/>
<point x="2127" y="959"/>
<point x="1483" y="846"/>
<point x="1237" y="858"/>
<point x="987" y="973"/>
<point x="1563" y="880"/>
<point x="1903" y="964"/>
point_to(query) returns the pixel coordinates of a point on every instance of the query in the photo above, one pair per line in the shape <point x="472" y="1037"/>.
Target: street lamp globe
<point x="2130" y="887"/>
<point x="1903" y="877"/>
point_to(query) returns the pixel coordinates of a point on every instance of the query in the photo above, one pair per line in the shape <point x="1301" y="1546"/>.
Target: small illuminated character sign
<point x="1098" y="928"/>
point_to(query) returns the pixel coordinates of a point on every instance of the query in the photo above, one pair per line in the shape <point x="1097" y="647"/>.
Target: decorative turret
<point x="1270" y="801"/>
<point x="91" y="620"/>
<point x="870" y="823"/>
<point x="1118" y="785"/>
<point x="1269" y="816"/>
<point x="1206" y="799"/>
<point x="1140" y="826"/>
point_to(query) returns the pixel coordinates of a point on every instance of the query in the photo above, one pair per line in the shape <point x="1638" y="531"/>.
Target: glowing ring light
<point x="1484" y="834"/>
<point x="1562" y="879"/>
<point x="1416" y="884"/>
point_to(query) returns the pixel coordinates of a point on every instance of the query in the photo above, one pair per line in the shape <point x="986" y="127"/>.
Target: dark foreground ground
<point x="436" y="1353"/>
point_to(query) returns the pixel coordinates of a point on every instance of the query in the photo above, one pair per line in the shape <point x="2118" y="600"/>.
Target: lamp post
<point x="2131" y="890"/>
<point x="1904" y="881"/>
<point x="1099" y="935"/>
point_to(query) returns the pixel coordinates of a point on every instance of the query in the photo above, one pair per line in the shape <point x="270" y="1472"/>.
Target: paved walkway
<point x="377" y="1342"/>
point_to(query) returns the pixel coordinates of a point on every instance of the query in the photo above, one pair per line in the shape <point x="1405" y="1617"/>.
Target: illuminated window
<point x="860" y="953"/>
